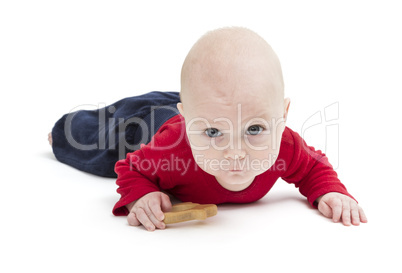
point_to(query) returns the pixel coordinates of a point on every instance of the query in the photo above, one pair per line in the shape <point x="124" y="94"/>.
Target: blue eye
<point x="254" y="130"/>
<point x="213" y="132"/>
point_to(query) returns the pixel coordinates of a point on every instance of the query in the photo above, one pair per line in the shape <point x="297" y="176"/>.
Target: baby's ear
<point x="180" y="108"/>
<point x="286" y="108"/>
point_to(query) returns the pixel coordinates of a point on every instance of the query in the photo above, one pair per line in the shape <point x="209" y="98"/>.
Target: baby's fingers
<point x="150" y="210"/>
<point x="336" y="206"/>
<point x="155" y="209"/>
<point x="144" y="218"/>
<point x="355" y="215"/>
<point x="132" y="219"/>
<point x="346" y="214"/>
<point x="325" y="209"/>
<point x="363" y="217"/>
<point x="156" y="214"/>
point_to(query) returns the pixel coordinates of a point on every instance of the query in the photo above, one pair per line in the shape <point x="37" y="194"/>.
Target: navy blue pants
<point x="94" y="140"/>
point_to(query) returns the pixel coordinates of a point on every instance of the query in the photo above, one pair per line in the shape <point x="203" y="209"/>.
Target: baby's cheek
<point x="261" y="161"/>
<point x="205" y="155"/>
<point x="258" y="142"/>
<point x="198" y="143"/>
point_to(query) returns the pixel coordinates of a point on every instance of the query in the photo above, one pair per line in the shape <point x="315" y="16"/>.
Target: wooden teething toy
<point x="189" y="211"/>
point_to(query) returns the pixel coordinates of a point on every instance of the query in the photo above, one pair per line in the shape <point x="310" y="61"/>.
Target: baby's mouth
<point x="236" y="171"/>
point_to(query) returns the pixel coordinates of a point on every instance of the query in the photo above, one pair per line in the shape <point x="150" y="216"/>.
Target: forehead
<point x="232" y="111"/>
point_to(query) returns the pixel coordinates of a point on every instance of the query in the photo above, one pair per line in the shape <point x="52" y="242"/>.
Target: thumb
<point x="325" y="209"/>
<point x="166" y="205"/>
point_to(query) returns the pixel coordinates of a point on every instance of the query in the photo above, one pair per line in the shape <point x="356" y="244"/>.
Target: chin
<point x="237" y="178"/>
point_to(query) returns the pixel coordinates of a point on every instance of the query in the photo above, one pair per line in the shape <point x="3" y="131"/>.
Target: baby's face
<point x="234" y="126"/>
<point x="233" y="105"/>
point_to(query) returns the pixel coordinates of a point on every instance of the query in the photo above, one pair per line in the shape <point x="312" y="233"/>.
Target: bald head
<point x="231" y="87"/>
<point x="227" y="62"/>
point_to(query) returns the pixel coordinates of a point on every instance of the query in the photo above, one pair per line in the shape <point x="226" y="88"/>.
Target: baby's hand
<point x="336" y="206"/>
<point x="148" y="211"/>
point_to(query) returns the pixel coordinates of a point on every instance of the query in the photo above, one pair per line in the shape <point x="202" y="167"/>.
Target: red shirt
<point x="167" y="164"/>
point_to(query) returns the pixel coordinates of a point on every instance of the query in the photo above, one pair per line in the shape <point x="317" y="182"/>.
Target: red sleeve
<point x="311" y="171"/>
<point x="147" y="169"/>
<point x="138" y="175"/>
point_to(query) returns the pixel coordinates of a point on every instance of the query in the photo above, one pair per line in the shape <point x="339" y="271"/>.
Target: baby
<point x="228" y="143"/>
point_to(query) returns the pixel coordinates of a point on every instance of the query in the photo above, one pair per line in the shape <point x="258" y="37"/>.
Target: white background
<point x="58" y="55"/>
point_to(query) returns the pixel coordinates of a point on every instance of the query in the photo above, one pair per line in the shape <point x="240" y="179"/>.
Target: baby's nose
<point x="235" y="154"/>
